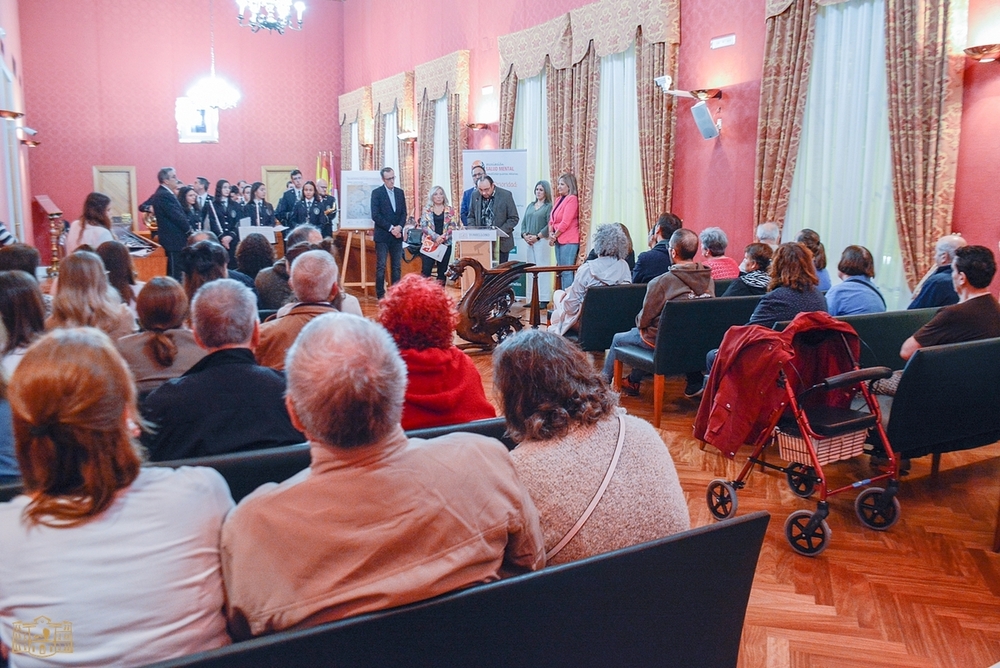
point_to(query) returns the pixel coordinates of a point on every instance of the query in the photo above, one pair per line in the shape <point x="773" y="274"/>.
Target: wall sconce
<point x="408" y="137"/>
<point x="31" y="143"/>
<point x="478" y="126"/>
<point x="985" y="53"/>
<point x="10" y="115"/>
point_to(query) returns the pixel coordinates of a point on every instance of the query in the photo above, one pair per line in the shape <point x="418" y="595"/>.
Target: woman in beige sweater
<point x="568" y="425"/>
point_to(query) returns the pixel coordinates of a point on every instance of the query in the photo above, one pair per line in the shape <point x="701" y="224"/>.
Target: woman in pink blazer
<point x="564" y="226"/>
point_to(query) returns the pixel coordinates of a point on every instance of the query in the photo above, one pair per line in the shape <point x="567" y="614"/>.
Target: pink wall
<point x="101" y="77"/>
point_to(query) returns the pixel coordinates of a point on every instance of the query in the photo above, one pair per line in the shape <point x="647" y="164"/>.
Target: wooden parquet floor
<point x="924" y="593"/>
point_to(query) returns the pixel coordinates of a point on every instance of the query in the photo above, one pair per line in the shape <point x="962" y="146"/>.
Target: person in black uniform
<point x="173" y="227"/>
<point x="258" y="209"/>
<point x="286" y="205"/>
<point x="222" y="216"/>
<point x="330" y="209"/>
<point x="189" y="203"/>
<point x="309" y="209"/>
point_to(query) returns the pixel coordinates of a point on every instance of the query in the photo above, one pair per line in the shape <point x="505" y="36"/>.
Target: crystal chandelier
<point x="211" y="91"/>
<point x="270" y="14"/>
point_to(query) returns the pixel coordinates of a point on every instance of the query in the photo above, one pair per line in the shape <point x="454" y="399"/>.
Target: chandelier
<point x="270" y="14"/>
<point x="211" y="91"/>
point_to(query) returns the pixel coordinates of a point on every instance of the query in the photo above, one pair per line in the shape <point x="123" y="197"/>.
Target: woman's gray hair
<point x="346" y="380"/>
<point x="714" y="240"/>
<point x="610" y="241"/>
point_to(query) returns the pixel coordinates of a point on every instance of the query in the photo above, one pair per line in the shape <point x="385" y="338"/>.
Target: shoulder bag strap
<point x="873" y="289"/>
<point x="597" y="497"/>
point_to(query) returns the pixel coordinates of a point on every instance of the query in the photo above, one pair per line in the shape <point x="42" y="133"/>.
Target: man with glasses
<point x="478" y="172"/>
<point x="388" y="207"/>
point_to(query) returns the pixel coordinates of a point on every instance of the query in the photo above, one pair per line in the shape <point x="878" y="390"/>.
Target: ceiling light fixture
<point x="211" y="91"/>
<point x="270" y="14"/>
<point x="985" y="53"/>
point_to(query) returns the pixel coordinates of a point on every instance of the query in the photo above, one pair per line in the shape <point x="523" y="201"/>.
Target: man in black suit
<point x="493" y="206"/>
<point x="289" y="199"/>
<point x="388" y="208"/>
<point x="657" y="260"/>
<point x="171" y="224"/>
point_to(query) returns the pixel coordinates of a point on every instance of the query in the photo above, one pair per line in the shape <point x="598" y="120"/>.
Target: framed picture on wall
<point x="196" y="124"/>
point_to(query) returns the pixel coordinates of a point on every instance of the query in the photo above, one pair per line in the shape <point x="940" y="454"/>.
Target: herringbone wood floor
<point x="924" y="593"/>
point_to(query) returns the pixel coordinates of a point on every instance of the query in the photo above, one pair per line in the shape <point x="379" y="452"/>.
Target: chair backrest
<point x="246" y="471"/>
<point x="679" y="601"/>
<point x="947" y="399"/>
<point x="722" y="285"/>
<point x="883" y="334"/>
<point x="606" y="311"/>
<point x="689" y="328"/>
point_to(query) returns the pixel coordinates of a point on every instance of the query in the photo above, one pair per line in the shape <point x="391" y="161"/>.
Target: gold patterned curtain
<point x="397" y="92"/>
<point x="425" y="131"/>
<point x="924" y="66"/>
<point x="356" y="107"/>
<point x="657" y="124"/>
<point x="508" y="103"/>
<point x="458" y="118"/>
<point x="345" y="147"/>
<point x="788" y="47"/>
<point x="572" y="95"/>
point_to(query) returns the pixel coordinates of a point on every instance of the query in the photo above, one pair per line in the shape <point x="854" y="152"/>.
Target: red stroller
<point x="795" y="388"/>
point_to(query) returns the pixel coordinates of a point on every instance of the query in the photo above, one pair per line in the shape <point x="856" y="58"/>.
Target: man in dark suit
<point x="478" y="172"/>
<point x="494" y="207"/>
<point x="388" y="208"/>
<point x="171" y="224"/>
<point x="289" y="199"/>
<point x="657" y="260"/>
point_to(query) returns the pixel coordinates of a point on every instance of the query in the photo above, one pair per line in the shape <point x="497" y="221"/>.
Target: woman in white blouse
<point x="94" y="226"/>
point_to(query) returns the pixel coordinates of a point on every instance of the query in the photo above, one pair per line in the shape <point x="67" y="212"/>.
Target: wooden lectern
<point x="476" y="243"/>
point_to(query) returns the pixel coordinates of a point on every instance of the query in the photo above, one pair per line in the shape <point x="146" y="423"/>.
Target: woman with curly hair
<point x="93" y="227"/>
<point x="443" y="386"/>
<point x="572" y="437"/>
<point x="165" y="349"/>
<point x="84" y="298"/>
<point x="140" y="544"/>
<point x="253" y="254"/>
<point x="202" y="263"/>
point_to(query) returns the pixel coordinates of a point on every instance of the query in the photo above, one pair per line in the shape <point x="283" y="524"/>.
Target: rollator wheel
<point x="810" y="544"/>
<point x="800" y="479"/>
<point x="722" y="501"/>
<point x="867" y="508"/>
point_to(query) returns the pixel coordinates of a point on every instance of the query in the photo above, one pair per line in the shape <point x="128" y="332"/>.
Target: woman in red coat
<point x="443" y="386"/>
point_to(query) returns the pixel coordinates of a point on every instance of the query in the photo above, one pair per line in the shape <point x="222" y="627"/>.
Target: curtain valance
<point x="448" y="74"/>
<point x="525" y="51"/>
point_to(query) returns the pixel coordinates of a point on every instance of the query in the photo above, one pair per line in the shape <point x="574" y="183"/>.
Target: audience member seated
<point x="770" y="234"/>
<point x="93" y="227"/>
<point x="23" y="315"/>
<point x="121" y="274"/>
<point x="253" y="254"/>
<point x="271" y="283"/>
<point x="754" y="275"/>
<point x="165" y="349"/>
<point x="443" y="386"/>
<point x="24" y="258"/>
<point x="128" y="554"/>
<point x="9" y="471"/>
<point x="810" y="240"/>
<point x="857" y="292"/>
<point x="936" y="288"/>
<point x="792" y="289"/>
<point x="609" y="268"/>
<point x="686" y="279"/>
<point x="629" y="257"/>
<point x="84" y="298"/>
<point x="656" y="260"/>
<point x="225" y="402"/>
<point x="572" y="438"/>
<point x="205" y="261"/>
<point x="714" y="243"/>
<point x="314" y="283"/>
<point x="379" y="520"/>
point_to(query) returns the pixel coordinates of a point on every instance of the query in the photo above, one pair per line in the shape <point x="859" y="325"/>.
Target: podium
<point x="476" y="243"/>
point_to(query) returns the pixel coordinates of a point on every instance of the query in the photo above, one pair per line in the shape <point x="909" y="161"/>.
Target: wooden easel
<point x="365" y="283"/>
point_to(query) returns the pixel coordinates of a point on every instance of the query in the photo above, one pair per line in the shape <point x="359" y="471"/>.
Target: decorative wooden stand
<point x="484" y="318"/>
<point x="54" y="215"/>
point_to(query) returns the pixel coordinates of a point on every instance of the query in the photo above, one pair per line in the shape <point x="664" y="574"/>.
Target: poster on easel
<point x="357" y="187"/>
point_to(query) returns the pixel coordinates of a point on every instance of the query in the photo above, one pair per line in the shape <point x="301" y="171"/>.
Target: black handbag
<point x="414" y="239"/>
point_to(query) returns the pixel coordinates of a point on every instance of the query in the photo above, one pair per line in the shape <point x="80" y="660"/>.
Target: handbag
<point x="597" y="497"/>
<point x="414" y="240"/>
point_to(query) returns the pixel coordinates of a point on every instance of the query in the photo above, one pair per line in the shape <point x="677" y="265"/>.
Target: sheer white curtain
<point x="842" y="186"/>
<point x="618" y="196"/>
<point x="390" y="152"/>
<point x="531" y="132"/>
<point x="355" y="148"/>
<point x="441" y="162"/>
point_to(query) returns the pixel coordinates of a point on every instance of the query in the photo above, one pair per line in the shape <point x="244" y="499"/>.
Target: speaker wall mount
<point x="707" y="126"/>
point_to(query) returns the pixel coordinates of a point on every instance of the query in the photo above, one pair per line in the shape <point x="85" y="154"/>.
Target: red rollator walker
<point x="794" y="389"/>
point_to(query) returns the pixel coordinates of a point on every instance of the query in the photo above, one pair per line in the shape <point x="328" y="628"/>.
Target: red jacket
<point x="443" y="387"/>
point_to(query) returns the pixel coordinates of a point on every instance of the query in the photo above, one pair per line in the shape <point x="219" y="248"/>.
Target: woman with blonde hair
<point x="93" y="227"/>
<point x="138" y="545"/>
<point x="564" y="226"/>
<point x="165" y="349"/>
<point x="84" y="298"/>
<point x="438" y="221"/>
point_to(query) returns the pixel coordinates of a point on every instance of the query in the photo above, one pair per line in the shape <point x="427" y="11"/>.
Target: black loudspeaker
<point x="703" y="119"/>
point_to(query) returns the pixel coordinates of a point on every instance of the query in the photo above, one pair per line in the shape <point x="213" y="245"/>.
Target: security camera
<point x="31" y="132"/>
<point x="664" y="82"/>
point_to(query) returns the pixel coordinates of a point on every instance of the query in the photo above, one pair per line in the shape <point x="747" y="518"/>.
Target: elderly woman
<point x="443" y="386"/>
<point x="564" y="225"/>
<point x="754" y="275"/>
<point x="857" y="293"/>
<point x="437" y="222"/>
<point x="140" y="545"/>
<point x="84" y="298"/>
<point x="572" y="437"/>
<point x="810" y="239"/>
<point x="609" y="268"/>
<point x="165" y="349"/>
<point x="714" y="243"/>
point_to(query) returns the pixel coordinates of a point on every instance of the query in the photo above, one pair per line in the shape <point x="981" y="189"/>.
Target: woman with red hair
<point x="443" y="386"/>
